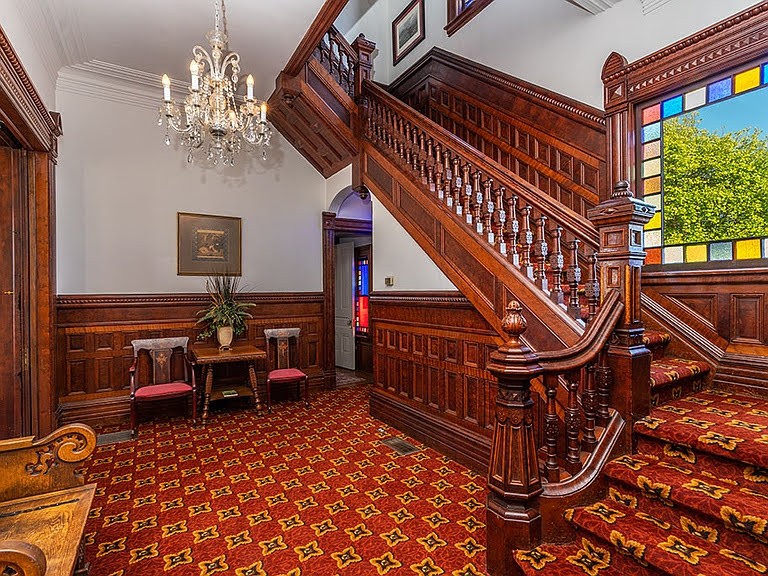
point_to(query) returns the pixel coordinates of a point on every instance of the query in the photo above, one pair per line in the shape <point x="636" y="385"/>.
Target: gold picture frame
<point x="407" y="30"/>
<point x="208" y="245"/>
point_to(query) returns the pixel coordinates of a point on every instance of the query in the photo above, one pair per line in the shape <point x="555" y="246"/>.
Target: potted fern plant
<point x="225" y="316"/>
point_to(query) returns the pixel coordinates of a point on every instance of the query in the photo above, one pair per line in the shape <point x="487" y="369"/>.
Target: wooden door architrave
<point x="331" y="226"/>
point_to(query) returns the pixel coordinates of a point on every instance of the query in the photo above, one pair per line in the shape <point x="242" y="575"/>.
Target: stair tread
<point x="577" y="559"/>
<point x="657" y="543"/>
<point x="667" y="371"/>
<point x="656" y="338"/>
<point x="724" y="424"/>
<point x="708" y="507"/>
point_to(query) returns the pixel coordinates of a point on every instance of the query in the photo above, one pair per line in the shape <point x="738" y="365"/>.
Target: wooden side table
<point x="208" y="356"/>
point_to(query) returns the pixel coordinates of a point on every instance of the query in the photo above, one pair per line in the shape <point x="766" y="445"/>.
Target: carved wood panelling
<point x="94" y="335"/>
<point x="430" y="353"/>
<point x="553" y="142"/>
<point x="747" y="318"/>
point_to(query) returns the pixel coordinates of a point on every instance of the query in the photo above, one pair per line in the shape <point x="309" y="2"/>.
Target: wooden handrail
<point x="320" y="26"/>
<point x="570" y="220"/>
<point x="591" y="343"/>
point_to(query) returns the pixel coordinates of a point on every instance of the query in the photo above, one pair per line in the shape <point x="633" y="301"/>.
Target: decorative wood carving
<point x="94" y="336"/>
<point x="555" y="143"/>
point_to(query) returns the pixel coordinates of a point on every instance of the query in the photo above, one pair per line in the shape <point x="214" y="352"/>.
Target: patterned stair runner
<point x="693" y="501"/>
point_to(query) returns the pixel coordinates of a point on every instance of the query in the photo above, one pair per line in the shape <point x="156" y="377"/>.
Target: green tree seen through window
<point x="715" y="185"/>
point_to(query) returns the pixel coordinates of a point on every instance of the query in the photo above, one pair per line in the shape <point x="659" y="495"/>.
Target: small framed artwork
<point x="208" y="245"/>
<point x="407" y="30"/>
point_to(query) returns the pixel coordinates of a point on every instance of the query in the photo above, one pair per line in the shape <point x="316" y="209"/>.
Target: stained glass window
<point x="361" y="295"/>
<point x="728" y="115"/>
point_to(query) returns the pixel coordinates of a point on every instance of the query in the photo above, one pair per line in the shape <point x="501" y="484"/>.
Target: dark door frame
<point x="331" y="226"/>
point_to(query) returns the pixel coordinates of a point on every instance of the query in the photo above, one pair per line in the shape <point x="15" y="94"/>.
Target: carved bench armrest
<point x="21" y="558"/>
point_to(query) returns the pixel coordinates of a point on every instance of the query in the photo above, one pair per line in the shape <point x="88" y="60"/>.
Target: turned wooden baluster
<point x="556" y="263"/>
<point x="514" y="232"/>
<point x="423" y="171"/>
<point x="466" y="197"/>
<point x="501" y="218"/>
<point x="572" y="424"/>
<point x="589" y="406"/>
<point x="488" y="210"/>
<point x="400" y="138"/>
<point x="439" y="170"/>
<point x="592" y="287"/>
<point x="415" y="150"/>
<point x="526" y="243"/>
<point x="431" y="178"/>
<point x="541" y="250"/>
<point x="458" y="188"/>
<point x="448" y="178"/>
<point x="551" y="428"/>
<point x="439" y="184"/>
<point x="604" y="381"/>
<point x="430" y="152"/>
<point x="477" y="206"/>
<point x="573" y="276"/>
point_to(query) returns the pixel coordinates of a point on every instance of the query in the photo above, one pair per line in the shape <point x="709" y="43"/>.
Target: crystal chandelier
<point x="213" y="117"/>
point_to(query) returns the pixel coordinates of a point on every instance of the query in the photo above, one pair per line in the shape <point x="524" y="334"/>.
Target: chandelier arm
<point x="203" y="55"/>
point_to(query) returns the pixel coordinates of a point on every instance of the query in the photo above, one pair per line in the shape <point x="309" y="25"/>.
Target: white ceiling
<point x="157" y="36"/>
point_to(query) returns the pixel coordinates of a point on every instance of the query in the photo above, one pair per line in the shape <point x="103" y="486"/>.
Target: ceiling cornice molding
<point x="594" y="6"/>
<point x="115" y="83"/>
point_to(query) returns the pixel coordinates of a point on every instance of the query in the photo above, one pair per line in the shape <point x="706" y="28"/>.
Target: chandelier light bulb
<point x="213" y="117"/>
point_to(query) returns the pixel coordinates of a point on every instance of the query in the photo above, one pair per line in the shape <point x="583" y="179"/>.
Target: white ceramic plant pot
<point x="224" y="335"/>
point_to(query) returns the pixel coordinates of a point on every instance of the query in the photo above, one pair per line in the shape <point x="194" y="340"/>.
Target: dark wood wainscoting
<point x="430" y="351"/>
<point x="721" y="314"/>
<point x="94" y="333"/>
<point x="555" y="143"/>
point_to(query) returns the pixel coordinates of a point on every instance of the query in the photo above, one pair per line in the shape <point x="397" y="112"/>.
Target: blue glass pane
<point x="671" y="107"/>
<point x="719" y="90"/>
<point x="364" y="278"/>
<point x="652" y="132"/>
<point x="765" y="73"/>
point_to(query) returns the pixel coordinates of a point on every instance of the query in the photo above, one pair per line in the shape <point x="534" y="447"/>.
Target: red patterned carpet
<point x="300" y="493"/>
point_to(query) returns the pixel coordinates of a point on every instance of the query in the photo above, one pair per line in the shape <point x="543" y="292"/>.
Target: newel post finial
<point x="513" y="518"/>
<point x="622" y="190"/>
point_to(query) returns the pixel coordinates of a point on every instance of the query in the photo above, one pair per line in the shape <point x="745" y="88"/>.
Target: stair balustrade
<point x="339" y="58"/>
<point x="526" y="227"/>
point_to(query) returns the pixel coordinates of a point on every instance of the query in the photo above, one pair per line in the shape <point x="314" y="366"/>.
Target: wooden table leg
<point x="208" y="388"/>
<point x="254" y="387"/>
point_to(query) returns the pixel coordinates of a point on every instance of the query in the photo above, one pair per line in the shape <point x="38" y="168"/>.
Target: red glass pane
<point x="651" y="114"/>
<point x="653" y="255"/>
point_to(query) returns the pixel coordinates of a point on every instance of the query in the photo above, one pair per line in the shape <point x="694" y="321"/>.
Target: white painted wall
<point x="119" y="189"/>
<point x="548" y="42"/>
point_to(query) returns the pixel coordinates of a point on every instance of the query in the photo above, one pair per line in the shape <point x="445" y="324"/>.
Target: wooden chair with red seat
<point x="161" y="370"/>
<point x="284" y="372"/>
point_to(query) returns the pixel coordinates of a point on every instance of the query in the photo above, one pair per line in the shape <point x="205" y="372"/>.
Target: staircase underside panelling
<point x="317" y="117"/>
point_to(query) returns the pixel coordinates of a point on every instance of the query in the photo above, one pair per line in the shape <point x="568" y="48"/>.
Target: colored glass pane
<point x="652" y="149"/>
<point x="655" y="222"/>
<point x="652" y="132"/>
<point x="651" y="167"/>
<point x="672" y="106"/>
<point x="748" y="249"/>
<point x="695" y="98"/>
<point x="721" y="251"/>
<point x="673" y="255"/>
<point x="746" y="80"/>
<point x="654" y="200"/>
<point x="363" y="313"/>
<point x="696" y="253"/>
<point x="651" y="114"/>
<point x="719" y="90"/>
<point x="652" y="238"/>
<point x="765" y="247"/>
<point x="653" y="256"/>
<point x="652" y="185"/>
<point x="765" y="73"/>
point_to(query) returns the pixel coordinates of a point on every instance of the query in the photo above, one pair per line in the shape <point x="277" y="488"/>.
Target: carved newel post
<point x="620" y="222"/>
<point x="363" y="48"/>
<point x="513" y="518"/>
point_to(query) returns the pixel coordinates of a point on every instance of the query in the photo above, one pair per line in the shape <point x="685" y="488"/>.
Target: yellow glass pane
<point x="696" y="253"/>
<point x="652" y="185"/>
<point x="652" y="149"/>
<point x="655" y="222"/>
<point x="747" y="80"/>
<point x="748" y="249"/>
<point x="651" y="167"/>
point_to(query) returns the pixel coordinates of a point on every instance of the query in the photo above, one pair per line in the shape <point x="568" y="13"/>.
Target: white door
<point x="345" y="331"/>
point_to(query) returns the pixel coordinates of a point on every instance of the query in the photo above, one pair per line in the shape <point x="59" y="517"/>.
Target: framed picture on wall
<point x="407" y="30"/>
<point x="208" y="245"/>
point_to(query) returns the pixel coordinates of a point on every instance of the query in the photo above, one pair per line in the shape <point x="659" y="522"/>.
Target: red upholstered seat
<point x="286" y="375"/>
<point x="168" y="390"/>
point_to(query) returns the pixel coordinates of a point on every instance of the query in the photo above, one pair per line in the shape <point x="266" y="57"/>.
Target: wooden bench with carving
<point x="44" y="504"/>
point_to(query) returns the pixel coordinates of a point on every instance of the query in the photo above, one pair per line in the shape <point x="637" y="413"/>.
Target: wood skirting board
<point x="430" y="351"/>
<point x="94" y="334"/>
